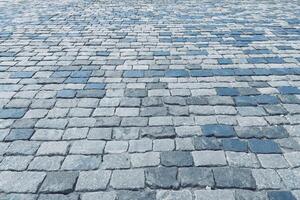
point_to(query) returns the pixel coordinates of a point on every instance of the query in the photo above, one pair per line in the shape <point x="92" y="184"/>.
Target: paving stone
<point x="19" y="134"/>
<point x="87" y="147"/>
<point x="22" y="148"/>
<point x="142" y="145"/>
<point x="290" y="177"/>
<point x="214" y="194"/>
<point x="218" y="130"/>
<point x="175" y="195"/>
<point x="293" y="158"/>
<point x="58" y="196"/>
<point x="12" y="113"/>
<point x="18" y="196"/>
<point x="163" y="145"/>
<point x="162" y="177"/>
<point x="195" y="176"/>
<point x="234" y="178"/>
<point x="148" y="159"/>
<point x="266" y="179"/>
<point x="176" y="158"/>
<point x="247" y="195"/>
<point x="81" y="162"/>
<point x="209" y="158"/>
<point x="99" y="133"/>
<point x="116" y="147"/>
<point x="128" y="179"/>
<point x="242" y="159"/>
<point x="47" y="134"/>
<point x="116" y="161"/>
<point x="234" y="145"/>
<point x="59" y="182"/>
<point x="263" y="146"/>
<point x="92" y="180"/>
<point x="207" y="143"/>
<point x="272" y="161"/>
<point x="99" y="195"/>
<point x="47" y="163"/>
<point x="53" y="148"/>
<point x="18" y="163"/>
<point x="126" y="133"/>
<point x="20" y="182"/>
<point x="75" y="133"/>
<point x="280" y="195"/>
<point x="138" y="195"/>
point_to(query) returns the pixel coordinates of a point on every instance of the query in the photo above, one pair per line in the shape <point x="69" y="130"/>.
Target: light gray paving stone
<point x="71" y="196"/>
<point x="174" y="195"/>
<point x="185" y="144"/>
<point x="273" y="161"/>
<point x="116" y="147"/>
<point x="209" y="158"/>
<point x="53" y="148"/>
<point x="87" y="147"/>
<point x="47" y="134"/>
<point x="242" y="159"/>
<point x="142" y="145"/>
<point x="250" y="195"/>
<point x="163" y="145"/>
<point x="185" y="131"/>
<point x="81" y="162"/>
<point x="22" y="148"/>
<point x="99" y="195"/>
<point x="148" y="159"/>
<point x="290" y="177"/>
<point x="47" y="163"/>
<point x="17" y="163"/>
<point x="126" y="133"/>
<point x="93" y="180"/>
<point x="267" y="179"/>
<point x="214" y="194"/>
<point x="18" y="196"/>
<point x="100" y="134"/>
<point x="75" y="133"/>
<point x="20" y="182"/>
<point x="293" y="158"/>
<point x="128" y="179"/>
<point x="116" y="161"/>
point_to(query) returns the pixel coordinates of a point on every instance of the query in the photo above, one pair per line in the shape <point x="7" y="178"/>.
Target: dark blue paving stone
<point x="161" y="53"/>
<point x="76" y="80"/>
<point x="218" y="130"/>
<point x="66" y="94"/>
<point x="61" y="74"/>
<point x="284" y="47"/>
<point x="231" y="177"/>
<point x="91" y="93"/>
<point x="201" y="73"/>
<point x="176" y="158"/>
<point x="234" y="145"/>
<point x="257" y="60"/>
<point x="263" y="146"/>
<point x="133" y="74"/>
<point x="225" y="91"/>
<point x="102" y="53"/>
<point x="223" y="72"/>
<point x="273" y="60"/>
<point x="19" y="134"/>
<point x="289" y="90"/>
<point x="266" y="99"/>
<point x="22" y="74"/>
<point x="279" y="71"/>
<point x="281" y="195"/>
<point x="177" y="73"/>
<point x="274" y="132"/>
<point x="99" y="86"/>
<point x="12" y="113"/>
<point x="207" y="143"/>
<point x="81" y="74"/>
<point x="224" y="61"/>
<point x="245" y="101"/>
<point x="197" y="52"/>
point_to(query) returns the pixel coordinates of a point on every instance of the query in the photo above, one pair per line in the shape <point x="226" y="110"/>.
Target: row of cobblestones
<point x="149" y="99"/>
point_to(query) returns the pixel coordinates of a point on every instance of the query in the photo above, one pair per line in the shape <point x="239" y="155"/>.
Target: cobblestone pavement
<point x="145" y="100"/>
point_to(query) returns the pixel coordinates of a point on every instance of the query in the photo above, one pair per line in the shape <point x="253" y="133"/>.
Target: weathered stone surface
<point x="128" y="179"/>
<point x="162" y="177"/>
<point x="93" y="180"/>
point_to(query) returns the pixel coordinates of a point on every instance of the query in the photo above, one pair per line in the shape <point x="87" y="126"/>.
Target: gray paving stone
<point x="75" y="133"/>
<point x="99" y="195"/>
<point x="209" y="158"/>
<point x="234" y="178"/>
<point x="175" y="195"/>
<point x="266" y="179"/>
<point x="93" y="180"/>
<point x="53" y="148"/>
<point x="176" y="158"/>
<point x="248" y="195"/>
<point x="47" y="163"/>
<point x="162" y="177"/>
<point x="19" y="134"/>
<point x="148" y="159"/>
<point x="47" y="134"/>
<point x="138" y="195"/>
<point x="195" y="176"/>
<point x="99" y="133"/>
<point x="58" y="196"/>
<point x="17" y="163"/>
<point x="128" y="179"/>
<point x="59" y="182"/>
<point x="214" y="194"/>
